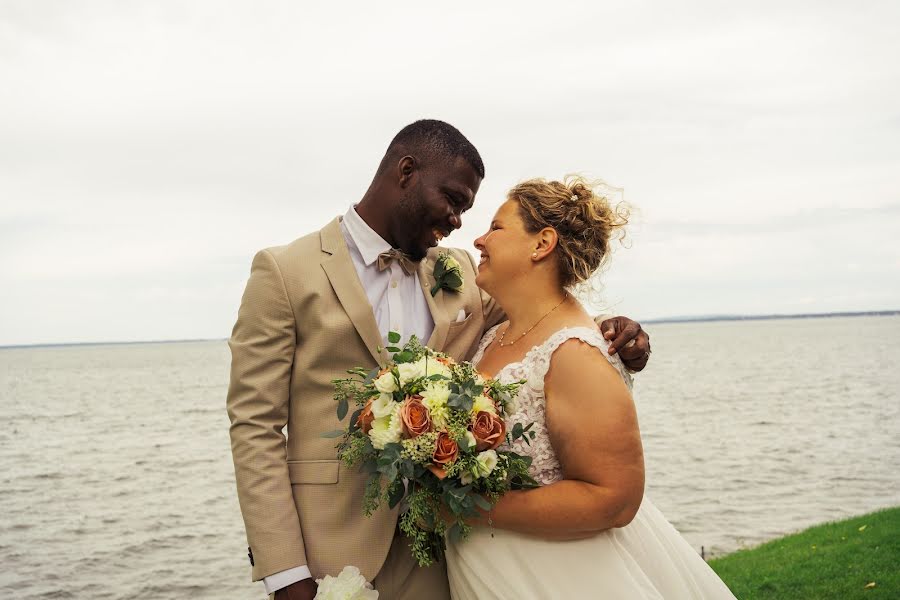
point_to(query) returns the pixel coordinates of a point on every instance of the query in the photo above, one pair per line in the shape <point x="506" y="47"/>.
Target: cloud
<point x="148" y="150"/>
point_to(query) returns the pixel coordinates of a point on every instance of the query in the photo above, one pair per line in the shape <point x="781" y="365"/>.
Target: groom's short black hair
<point x="432" y="139"/>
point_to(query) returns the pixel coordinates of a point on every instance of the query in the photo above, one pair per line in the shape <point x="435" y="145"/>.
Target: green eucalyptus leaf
<point x="482" y="502"/>
<point x="334" y="434"/>
<point x="372" y="375"/>
<point x="395" y="494"/>
<point x="342" y="408"/>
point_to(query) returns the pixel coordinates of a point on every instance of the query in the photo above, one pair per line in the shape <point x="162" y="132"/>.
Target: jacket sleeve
<point x="262" y="353"/>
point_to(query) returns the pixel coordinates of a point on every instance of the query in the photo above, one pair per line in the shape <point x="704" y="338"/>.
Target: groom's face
<point x="432" y="204"/>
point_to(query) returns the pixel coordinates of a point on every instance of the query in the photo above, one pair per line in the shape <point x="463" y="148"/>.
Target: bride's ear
<point x="545" y="243"/>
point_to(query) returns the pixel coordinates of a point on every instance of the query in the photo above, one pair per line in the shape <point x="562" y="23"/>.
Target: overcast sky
<point x="148" y="149"/>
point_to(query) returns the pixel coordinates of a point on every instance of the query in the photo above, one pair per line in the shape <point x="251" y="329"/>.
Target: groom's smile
<point x="432" y="208"/>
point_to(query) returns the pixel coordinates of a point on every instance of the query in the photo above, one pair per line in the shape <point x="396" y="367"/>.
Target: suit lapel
<point x="435" y="303"/>
<point x="345" y="281"/>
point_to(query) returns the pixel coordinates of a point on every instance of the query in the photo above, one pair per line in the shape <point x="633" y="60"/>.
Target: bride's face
<point x="505" y="249"/>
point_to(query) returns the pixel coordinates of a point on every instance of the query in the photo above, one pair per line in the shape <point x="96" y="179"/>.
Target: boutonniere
<point x="447" y="274"/>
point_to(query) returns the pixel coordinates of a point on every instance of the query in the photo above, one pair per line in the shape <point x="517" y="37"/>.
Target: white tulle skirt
<point x="648" y="559"/>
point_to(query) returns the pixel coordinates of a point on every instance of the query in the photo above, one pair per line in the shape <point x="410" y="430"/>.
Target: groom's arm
<point x="262" y="348"/>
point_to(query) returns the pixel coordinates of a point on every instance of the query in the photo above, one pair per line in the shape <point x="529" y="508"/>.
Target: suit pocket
<point x="315" y="472"/>
<point x="457" y="325"/>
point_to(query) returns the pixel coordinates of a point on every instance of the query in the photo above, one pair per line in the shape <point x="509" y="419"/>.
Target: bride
<point x="587" y="531"/>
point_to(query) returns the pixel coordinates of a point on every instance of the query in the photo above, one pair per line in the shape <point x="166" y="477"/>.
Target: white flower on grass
<point x="485" y="463"/>
<point x="386" y="430"/>
<point x="386" y="384"/>
<point x="348" y="585"/>
<point x="483" y="403"/>
<point x="434" y="397"/>
<point x="383" y="405"/>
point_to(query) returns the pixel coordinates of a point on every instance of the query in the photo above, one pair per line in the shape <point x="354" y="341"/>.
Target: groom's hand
<point x="629" y="340"/>
<point x="305" y="589"/>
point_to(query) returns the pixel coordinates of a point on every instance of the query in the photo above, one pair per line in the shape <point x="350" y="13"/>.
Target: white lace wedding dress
<point x="647" y="559"/>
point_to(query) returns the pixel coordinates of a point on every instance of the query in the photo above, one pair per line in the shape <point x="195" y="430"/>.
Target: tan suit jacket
<point x="304" y="320"/>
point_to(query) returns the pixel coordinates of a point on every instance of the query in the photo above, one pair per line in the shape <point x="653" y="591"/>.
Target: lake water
<point x="117" y="479"/>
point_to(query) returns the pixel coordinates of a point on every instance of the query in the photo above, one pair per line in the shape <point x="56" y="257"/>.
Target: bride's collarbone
<point x="496" y="357"/>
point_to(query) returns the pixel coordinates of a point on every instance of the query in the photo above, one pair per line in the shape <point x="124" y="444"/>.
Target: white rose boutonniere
<point x="447" y="274"/>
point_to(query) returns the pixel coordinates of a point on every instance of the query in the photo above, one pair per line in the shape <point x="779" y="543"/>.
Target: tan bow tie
<point x="406" y="263"/>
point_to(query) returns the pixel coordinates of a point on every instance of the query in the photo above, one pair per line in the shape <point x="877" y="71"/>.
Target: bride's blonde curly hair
<point x="583" y="216"/>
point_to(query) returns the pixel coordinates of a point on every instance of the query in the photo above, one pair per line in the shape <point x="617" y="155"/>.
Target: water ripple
<point x="121" y="475"/>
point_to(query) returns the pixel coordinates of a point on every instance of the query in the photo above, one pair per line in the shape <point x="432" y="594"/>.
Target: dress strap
<point x="538" y="359"/>
<point x="486" y="340"/>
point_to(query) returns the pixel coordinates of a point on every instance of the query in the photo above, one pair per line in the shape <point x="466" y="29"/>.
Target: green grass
<point x="832" y="561"/>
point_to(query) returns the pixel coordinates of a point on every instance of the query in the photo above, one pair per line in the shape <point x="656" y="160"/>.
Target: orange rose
<point x="446" y="450"/>
<point x="489" y="431"/>
<point x="365" y="418"/>
<point x="415" y="417"/>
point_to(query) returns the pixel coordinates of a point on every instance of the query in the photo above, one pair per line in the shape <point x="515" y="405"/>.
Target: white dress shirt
<point x="398" y="303"/>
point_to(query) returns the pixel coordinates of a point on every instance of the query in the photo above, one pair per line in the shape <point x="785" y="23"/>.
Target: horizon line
<point x="656" y="321"/>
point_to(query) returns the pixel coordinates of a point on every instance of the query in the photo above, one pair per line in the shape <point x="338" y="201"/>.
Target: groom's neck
<point x="373" y="209"/>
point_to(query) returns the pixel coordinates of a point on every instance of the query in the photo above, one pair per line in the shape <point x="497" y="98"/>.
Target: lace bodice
<point x="533" y="368"/>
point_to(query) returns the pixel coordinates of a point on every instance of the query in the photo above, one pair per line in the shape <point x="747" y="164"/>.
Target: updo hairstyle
<point x="582" y="216"/>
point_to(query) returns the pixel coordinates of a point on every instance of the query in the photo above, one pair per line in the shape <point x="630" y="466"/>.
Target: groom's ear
<point x="406" y="170"/>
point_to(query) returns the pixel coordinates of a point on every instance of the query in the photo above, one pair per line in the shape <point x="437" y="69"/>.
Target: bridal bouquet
<point x="427" y="430"/>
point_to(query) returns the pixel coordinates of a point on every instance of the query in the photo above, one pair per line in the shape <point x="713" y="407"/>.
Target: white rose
<point x="436" y="367"/>
<point x="349" y="585"/>
<point x="383" y="405"/>
<point x="470" y="439"/>
<point x="452" y="264"/>
<point x="483" y="403"/>
<point x="386" y="430"/>
<point x="386" y="384"/>
<point x="411" y="371"/>
<point x="485" y="463"/>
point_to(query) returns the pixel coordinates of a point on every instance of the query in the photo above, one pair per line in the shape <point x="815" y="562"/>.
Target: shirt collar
<point x="369" y="243"/>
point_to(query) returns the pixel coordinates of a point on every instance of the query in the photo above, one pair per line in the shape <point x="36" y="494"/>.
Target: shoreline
<point x="660" y="321"/>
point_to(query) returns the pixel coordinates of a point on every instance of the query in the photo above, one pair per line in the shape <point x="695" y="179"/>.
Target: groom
<point x="323" y="304"/>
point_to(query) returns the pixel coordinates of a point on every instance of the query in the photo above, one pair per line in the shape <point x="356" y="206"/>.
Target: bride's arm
<point x="594" y="431"/>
